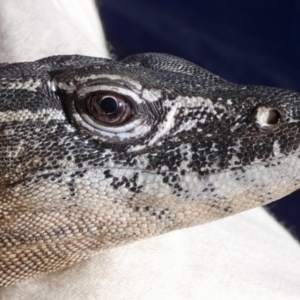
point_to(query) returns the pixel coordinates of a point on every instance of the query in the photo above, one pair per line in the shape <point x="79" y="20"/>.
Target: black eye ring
<point x="110" y="108"/>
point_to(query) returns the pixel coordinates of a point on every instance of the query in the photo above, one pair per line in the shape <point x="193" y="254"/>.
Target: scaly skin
<point x="191" y="148"/>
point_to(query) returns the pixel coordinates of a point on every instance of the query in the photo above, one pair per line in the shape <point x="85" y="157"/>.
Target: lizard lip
<point x="69" y="171"/>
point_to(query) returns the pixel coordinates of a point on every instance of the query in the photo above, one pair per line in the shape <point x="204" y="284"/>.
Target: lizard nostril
<point x="266" y="116"/>
<point x="273" y="117"/>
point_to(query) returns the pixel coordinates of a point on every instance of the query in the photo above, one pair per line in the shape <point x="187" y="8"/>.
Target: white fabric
<point x="33" y="29"/>
<point x="247" y="256"/>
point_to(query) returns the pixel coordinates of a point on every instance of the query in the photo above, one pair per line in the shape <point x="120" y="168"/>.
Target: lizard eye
<point x="109" y="108"/>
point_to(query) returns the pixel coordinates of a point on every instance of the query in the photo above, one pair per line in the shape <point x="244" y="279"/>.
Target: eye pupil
<point x="108" y="105"/>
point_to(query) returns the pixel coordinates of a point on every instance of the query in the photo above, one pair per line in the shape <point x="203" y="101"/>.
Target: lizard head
<point x="97" y="153"/>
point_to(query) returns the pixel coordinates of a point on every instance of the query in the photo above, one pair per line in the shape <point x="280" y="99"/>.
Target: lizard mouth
<point x="55" y="175"/>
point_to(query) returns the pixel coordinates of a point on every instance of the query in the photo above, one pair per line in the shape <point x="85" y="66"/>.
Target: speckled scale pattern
<point x="196" y="148"/>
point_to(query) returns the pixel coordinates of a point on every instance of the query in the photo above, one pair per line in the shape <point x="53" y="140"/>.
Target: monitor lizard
<point x="96" y="153"/>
